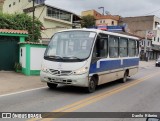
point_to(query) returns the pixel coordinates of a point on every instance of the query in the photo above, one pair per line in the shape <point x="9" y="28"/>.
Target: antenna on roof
<point x="101" y="8"/>
<point x="107" y="12"/>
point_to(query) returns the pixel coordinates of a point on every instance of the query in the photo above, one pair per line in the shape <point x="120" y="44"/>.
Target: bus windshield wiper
<point x="73" y="57"/>
<point x="54" y="56"/>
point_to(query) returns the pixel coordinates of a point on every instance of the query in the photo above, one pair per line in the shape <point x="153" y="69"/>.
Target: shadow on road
<point x="81" y="90"/>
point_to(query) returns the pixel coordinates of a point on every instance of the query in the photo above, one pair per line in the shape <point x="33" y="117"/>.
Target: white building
<point x="53" y="18"/>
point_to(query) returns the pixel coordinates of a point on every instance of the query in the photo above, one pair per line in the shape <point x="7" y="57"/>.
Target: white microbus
<point x="89" y="57"/>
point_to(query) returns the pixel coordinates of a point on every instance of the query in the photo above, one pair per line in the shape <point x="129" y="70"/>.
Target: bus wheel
<point x="124" y="79"/>
<point x="52" y="86"/>
<point x="92" y="86"/>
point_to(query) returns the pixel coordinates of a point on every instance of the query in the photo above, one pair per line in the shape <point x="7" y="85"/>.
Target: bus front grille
<point x="60" y="81"/>
<point x="60" y="72"/>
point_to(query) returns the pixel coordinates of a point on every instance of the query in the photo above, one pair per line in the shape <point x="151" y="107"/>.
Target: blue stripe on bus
<point x="107" y="65"/>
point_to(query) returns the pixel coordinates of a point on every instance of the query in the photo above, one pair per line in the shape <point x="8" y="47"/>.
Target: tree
<point x="88" y="21"/>
<point x="21" y="22"/>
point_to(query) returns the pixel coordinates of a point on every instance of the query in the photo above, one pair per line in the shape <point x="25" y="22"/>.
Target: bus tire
<point x="91" y="86"/>
<point x="52" y="86"/>
<point x="124" y="79"/>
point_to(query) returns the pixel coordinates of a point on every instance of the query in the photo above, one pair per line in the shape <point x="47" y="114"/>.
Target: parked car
<point x="153" y="119"/>
<point x="158" y="62"/>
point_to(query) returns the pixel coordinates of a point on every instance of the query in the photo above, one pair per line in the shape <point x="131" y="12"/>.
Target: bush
<point x="21" y="22"/>
<point x="88" y="21"/>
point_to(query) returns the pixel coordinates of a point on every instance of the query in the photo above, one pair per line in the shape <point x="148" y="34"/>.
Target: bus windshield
<point x="70" y="45"/>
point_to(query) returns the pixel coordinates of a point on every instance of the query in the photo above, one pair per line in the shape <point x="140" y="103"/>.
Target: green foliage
<point x="21" y="22"/>
<point x="88" y="21"/>
<point x="18" y="66"/>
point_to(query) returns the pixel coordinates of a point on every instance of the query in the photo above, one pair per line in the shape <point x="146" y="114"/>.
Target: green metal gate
<point x="9" y="52"/>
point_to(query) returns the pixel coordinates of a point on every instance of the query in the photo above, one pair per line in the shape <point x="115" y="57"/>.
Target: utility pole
<point x="33" y="20"/>
<point x="145" y="46"/>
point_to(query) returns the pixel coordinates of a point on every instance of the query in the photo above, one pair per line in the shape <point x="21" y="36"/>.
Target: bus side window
<point x="113" y="47"/>
<point x="95" y="52"/>
<point x="137" y="48"/>
<point x="96" y="49"/>
<point x="123" y="47"/>
<point x="100" y="48"/>
<point x="132" y="48"/>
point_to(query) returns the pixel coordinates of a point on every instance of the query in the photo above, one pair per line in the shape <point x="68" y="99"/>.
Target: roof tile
<point x="13" y="31"/>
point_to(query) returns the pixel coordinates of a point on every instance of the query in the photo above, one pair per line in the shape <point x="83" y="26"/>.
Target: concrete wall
<point x="9" y="6"/>
<point x="139" y="25"/>
<point x="107" y="22"/>
<point x="1" y="4"/>
<point x="88" y="12"/>
<point x="31" y="56"/>
<point x="91" y="12"/>
<point x="36" y="57"/>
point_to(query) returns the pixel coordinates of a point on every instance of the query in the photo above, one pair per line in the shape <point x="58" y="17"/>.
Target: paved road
<point x="12" y="82"/>
<point x="140" y="94"/>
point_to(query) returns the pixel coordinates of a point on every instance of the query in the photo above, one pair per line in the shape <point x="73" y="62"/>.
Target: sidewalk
<point x="145" y="64"/>
<point x="14" y="82"/>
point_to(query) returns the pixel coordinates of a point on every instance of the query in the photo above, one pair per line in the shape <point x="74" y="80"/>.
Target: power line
<point x="23" y="7"/>
<point x="153" y="12"/>
<point x="41" y="12"/>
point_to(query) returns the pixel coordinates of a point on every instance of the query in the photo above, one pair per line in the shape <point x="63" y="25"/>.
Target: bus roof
<point x="101" y="31"/>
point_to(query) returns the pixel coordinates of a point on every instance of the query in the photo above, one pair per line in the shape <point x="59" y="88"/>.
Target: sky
<point x="124" y="8"/>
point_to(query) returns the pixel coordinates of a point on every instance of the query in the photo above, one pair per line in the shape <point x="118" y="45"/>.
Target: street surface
<point x="141" y="93"/>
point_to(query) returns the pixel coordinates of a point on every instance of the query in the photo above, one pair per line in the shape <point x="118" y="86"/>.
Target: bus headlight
<point x="45" y="69"/>
<point x="81" y="71"/>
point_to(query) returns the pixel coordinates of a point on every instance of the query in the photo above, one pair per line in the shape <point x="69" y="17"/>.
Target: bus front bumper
<point x="74" y="80"/>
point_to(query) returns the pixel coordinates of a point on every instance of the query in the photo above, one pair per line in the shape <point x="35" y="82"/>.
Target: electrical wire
<point x="23" y="6"/>
<point x="41" y="12"/>
<point x="153" y="12"/>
